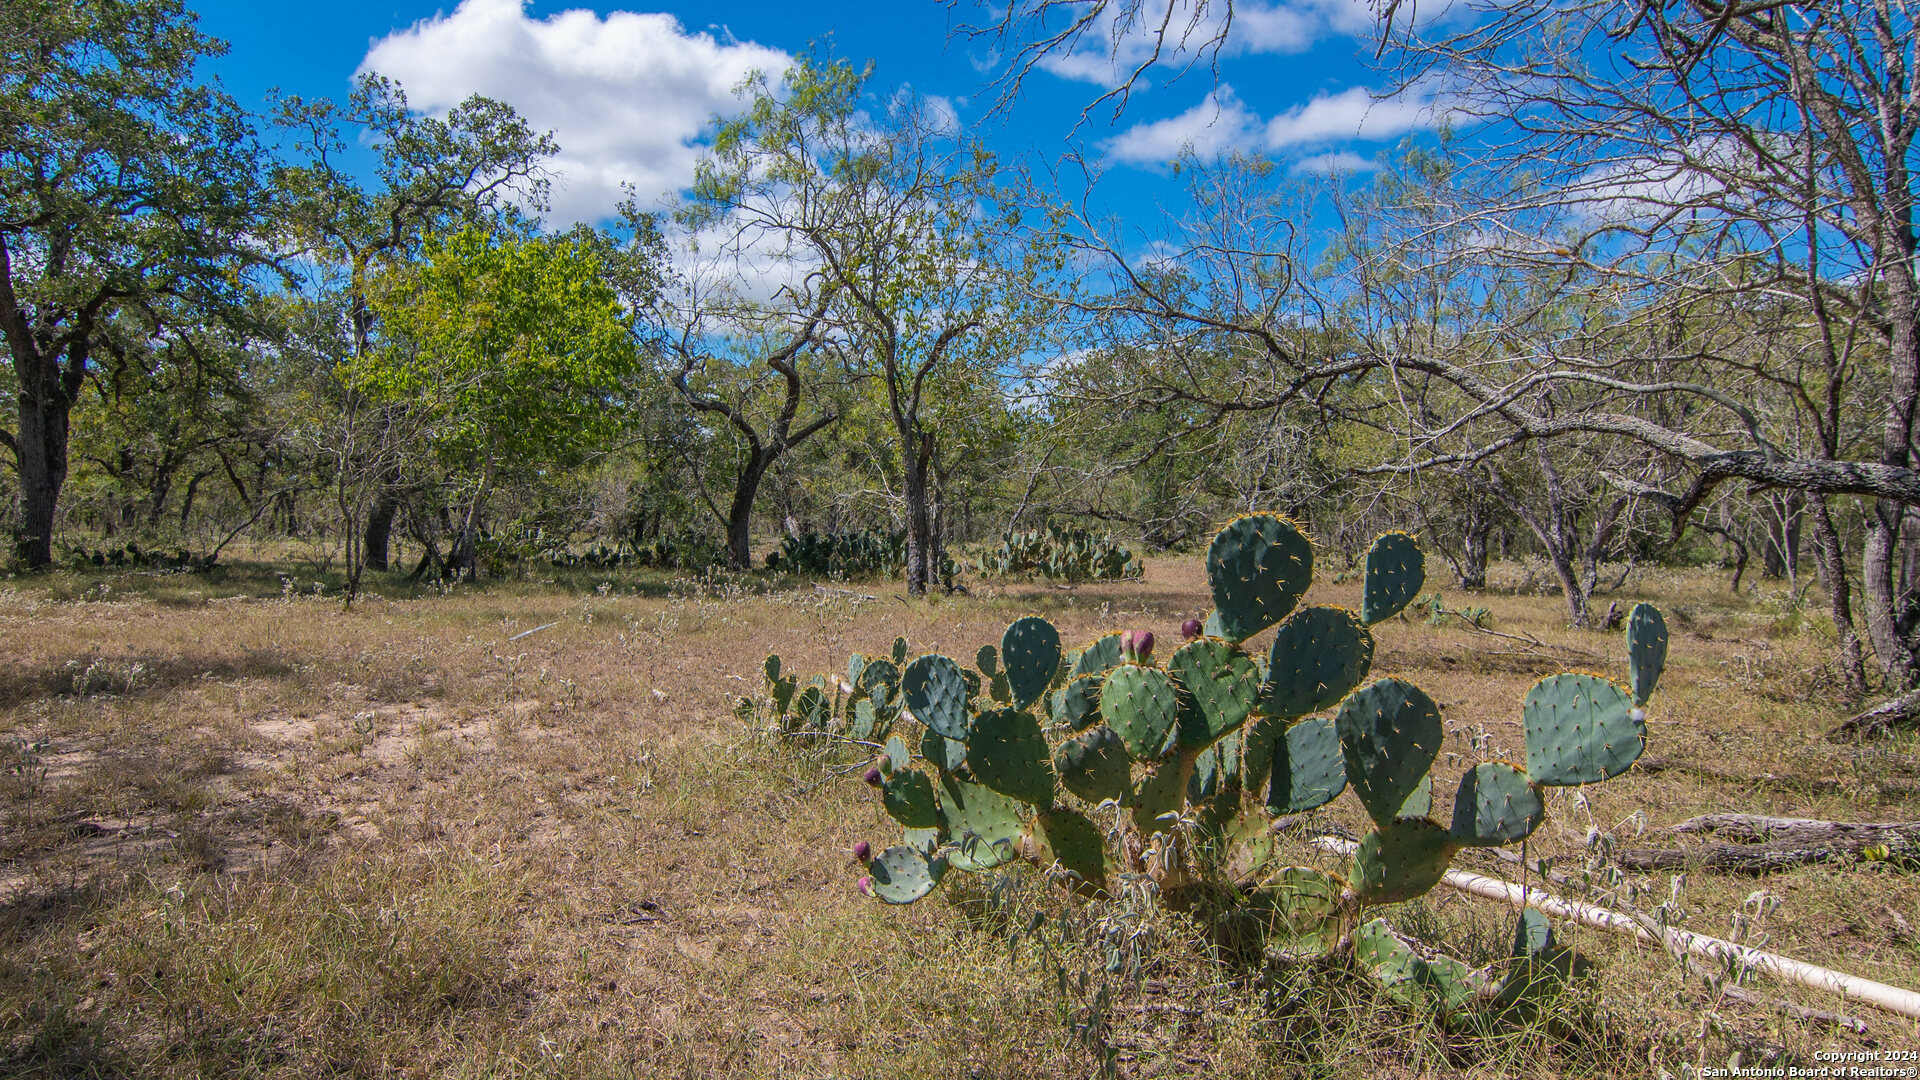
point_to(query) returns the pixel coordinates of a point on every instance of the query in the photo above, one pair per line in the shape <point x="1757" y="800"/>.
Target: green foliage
<point x="1198" y="758"/>
<point x="520" y="348"/>
<point x="1063" y="553"/>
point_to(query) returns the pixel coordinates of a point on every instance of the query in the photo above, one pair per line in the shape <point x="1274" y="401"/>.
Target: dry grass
<point x="247" y="833"/>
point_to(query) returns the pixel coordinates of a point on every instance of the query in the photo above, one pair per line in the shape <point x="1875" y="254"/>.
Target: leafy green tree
<point x="479" y="165"/>
<point x="519" y="350"/>
<point x="900" y="216"/>
<point x="124" y="179"/>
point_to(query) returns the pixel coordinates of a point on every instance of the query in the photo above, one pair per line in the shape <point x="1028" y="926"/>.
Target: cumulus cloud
<point x="1340" y="161"/>
<point x="1211" y="129"/>
<point x="627" y="96"/>
<point x="1350" y="114"/>
<point x="1114" y="45"/>
<point x="1221" y="124"/>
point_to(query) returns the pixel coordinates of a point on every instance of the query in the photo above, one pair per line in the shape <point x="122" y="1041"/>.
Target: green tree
<point x="123" y="179"/>
<point x="900" y="216"/>
<point x="479" y="165"/>
<point x="519" y="350"/>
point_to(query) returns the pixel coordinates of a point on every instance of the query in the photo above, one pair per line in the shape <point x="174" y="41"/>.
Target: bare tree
<point x="717" y="343"/>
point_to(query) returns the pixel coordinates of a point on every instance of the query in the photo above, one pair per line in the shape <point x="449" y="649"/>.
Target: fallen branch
<point x="1816" y="1016"/>
<point x="1762" y="843"/>
<point x="1885" y="789"/>
<point x="1891" y="998"/>
<point x="1902" y="711"/>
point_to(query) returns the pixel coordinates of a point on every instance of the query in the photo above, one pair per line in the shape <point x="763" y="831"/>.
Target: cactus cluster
<point x="1026" y="757"/>
<point x="866" y="553"/>
<point x="1063" y="553"/>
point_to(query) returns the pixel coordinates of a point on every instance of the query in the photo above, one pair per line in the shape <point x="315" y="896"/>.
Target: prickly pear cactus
<point x="1076" y="761"/>
<point x="1063" y="553"/>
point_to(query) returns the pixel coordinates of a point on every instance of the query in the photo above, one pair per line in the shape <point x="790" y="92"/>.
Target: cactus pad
<point x="908" y="797"/>
<point x="856" y="665"/>
<point x="812" y="710"/>
<point x="1390" y="733"/>
<point x="1646" y="650"/>
<point x="1441" y="981"/>
<point x="1095" y="765"/>
<point x="1258" y="568"/>
<point x="879" y="680"/>
<point x="1395" y="571"/>
<point x="1420" y="803"/>
<point x="1306" y="908"/>
<point x="772" y="667"/>
<point x="863" y="722"/>
<point x="1381" y="953"/>
<point x="1533" y="935"/>
<point x="897" y="753"/>
<point x="1308" y="770"/>
<point x="1401" y="861"/>
<point x="924" y="839"/>
<point x="1077" y="704"/>
<point x="1103" y="655"/>
<point x="987" y="660"/>
<point x="1220" y="683"/>
<point x="936" y="691"/>
<point x="993" y="821"/>
<point x="904" y="874"/>
<point x="1030" y="649"/>
<point x="1318" y="657"/>
<point x="1580" y="730"/>
<point x="1495" y="805"/>
<point x="1141" y="705"/>
<point x="1069" y="838"/>
<point x="1008" y="754"/>
<point x="899" y="652"/>
<point x="1162" y="793"/>
<point x="945" y="754"/>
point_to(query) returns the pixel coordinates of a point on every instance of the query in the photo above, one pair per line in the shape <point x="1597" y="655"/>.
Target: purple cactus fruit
<point x="1143" y="643"/>
<point x="1190" y="629"/>
<point x="1126" y="644"/>
<point x="866" y="886"/>
<point x="873" y="776"/>
<point x="886" y="765"/>
<point x="862" y="850"/>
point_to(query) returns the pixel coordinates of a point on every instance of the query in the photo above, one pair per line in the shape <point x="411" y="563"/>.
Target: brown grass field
<point x="247" y="833"/>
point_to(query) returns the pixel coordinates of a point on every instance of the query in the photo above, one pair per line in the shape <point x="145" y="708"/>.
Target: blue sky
<point x="629" y="90"/>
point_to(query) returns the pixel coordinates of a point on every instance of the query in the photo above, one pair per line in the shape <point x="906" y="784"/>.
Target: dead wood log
<point x="1761" y="844"/>
<point x="1902" y="711"/>
<point x="1813" y="1016"/>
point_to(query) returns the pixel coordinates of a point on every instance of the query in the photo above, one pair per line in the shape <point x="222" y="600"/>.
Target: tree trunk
<point x="1890" y="611"/>
<point x="740" y="514"/>
<point x="919" y="516"/>
<point x="375" y="544"/>
<point x="187" y="496"/>
<point x="1473" y="556"/>
<point x="1833" y="572"/>
<point x="1782" y="550"/>
<point x="41" y="454"/>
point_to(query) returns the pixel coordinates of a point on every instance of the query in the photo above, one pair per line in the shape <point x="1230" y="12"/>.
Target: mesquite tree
<point x="896" y="215"/>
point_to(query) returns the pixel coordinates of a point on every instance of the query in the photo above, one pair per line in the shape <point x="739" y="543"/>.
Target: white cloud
<point x="1221" y="124"/>
<point x="1211" y="129"/>
<point x="1339" y="161"/>
<point x="1353" y="113"/>
<point x="1114" y="46"/>
<point x="626" y="96"/>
